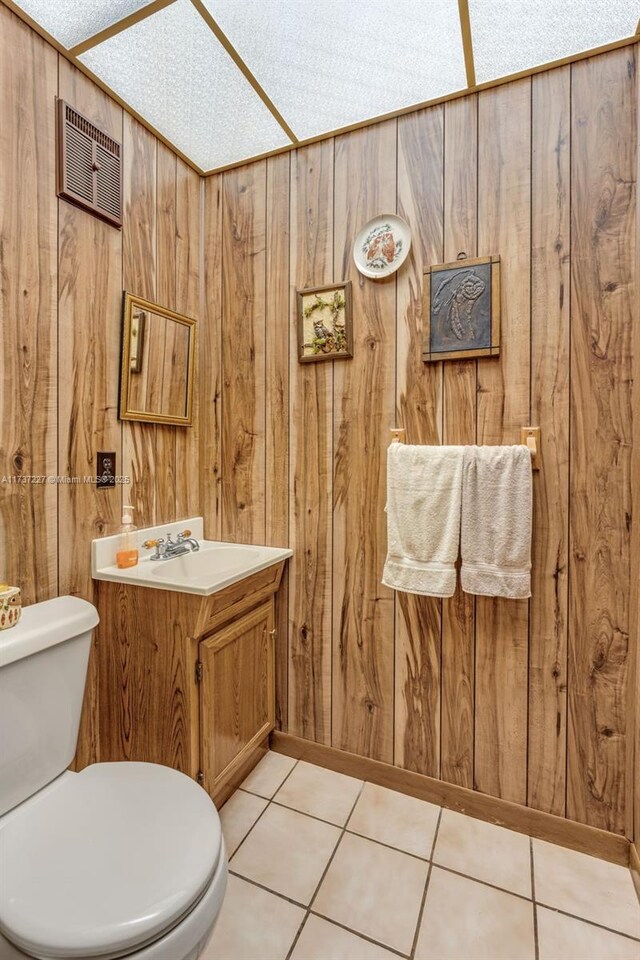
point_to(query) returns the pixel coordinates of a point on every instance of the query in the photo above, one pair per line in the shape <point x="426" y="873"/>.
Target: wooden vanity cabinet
<point x="185" y="681"/>
<point x="237" y="694"/>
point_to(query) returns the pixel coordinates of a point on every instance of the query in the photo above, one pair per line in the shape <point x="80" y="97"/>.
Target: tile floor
<point x="326" y="867"/>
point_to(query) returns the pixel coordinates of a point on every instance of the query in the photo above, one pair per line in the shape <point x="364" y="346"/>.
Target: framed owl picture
<point x="462" y="310"/>
<point x="325" y="330"/>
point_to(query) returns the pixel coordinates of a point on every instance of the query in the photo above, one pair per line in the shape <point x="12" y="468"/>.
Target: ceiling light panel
<point x="513" y="35"/>
<point x="173" y="71"/>
<point x="72" y="21"/>
<point x="331" y="64"/>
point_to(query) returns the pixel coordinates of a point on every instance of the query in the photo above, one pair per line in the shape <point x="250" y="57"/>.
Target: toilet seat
<point x="105" y="861"/>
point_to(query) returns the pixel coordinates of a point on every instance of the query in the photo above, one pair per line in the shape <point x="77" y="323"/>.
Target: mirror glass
<point x="158" y="348"/>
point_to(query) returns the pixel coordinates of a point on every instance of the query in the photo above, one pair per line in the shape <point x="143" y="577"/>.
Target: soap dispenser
<point x="127" y="554"/>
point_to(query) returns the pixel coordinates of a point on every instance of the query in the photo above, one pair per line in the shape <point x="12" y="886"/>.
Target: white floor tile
<point x="374" y="891"/>
<point x="238" y="815"/>
<point x="375" y="888"/>
<point x="253" y="925"/>
<point x="586" y="887"/>
<point x="319" y="792"/>
<point x="321" y="940"/>
<point x="395" y="819"/>
<point x="484" y="851"/>
<point x="267" y="776"/>
<point x="571" y="939"/>
<point x="466" y="920"/>
<point x="287" y="852"/>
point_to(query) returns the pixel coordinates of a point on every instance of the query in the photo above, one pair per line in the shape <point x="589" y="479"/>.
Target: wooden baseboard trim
<point x="634" y="863"/>
<point x="534" y="823"/>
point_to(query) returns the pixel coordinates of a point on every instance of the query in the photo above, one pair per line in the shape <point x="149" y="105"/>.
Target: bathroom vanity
<point x="184" y="660"/>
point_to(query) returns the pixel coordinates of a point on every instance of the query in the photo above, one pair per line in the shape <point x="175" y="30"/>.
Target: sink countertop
<point x="215" y="566"/>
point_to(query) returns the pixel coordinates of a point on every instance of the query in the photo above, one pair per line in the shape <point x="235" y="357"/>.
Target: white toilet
<point x="119" y="860"/>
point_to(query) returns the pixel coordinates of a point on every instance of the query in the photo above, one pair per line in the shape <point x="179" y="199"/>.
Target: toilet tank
<point x="43" y="667"/>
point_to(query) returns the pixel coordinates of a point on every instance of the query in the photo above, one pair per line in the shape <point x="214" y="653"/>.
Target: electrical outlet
<point x="105" y="470"/>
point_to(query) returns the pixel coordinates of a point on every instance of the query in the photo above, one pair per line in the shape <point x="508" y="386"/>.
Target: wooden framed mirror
<point x="158" y="357"/>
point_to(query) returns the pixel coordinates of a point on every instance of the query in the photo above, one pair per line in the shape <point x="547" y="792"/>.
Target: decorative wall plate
<point x="382" y="246"/>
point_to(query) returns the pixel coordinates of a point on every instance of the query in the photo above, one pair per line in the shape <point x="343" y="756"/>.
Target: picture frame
<point x="325" y="324"/>
<point x="461" y="303"/>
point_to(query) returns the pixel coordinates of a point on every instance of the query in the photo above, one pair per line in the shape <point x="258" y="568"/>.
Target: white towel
<point x="424" y="491"/>
<point x="496" y="521"/>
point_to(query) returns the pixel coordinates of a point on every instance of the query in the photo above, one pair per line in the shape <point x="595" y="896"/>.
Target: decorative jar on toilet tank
<point x="10" y="606"/>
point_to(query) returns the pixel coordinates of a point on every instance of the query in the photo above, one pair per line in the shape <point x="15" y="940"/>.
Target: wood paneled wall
<point x="63" y="274"/>
<point x="533" y="702"/>
<point x="528" y="701"/>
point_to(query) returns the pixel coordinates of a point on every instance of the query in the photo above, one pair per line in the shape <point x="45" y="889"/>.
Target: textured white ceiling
<point x="174" y="72"/>
<point x="331" y="64"/>
<point x="514" y="35"/>
<point x="322" y="64"/>
<point x="71" y="21"/>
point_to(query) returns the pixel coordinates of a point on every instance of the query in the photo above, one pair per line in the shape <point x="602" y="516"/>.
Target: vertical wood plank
<point x="459" y="427"/>
<point x="188" y="266"/>
<point x="243" y="354"/>
<point x="633" y="803"/>
<point x="139" y="276"/>
<point x="211" y="361"/>
<point x="550" y="307"/>
<point x="603" y="168"/>
<point x="166" y="227"/>
<point x="90" y="320"/>
<point x="311" y="460"/>
<point x="166" y="231"/>
<point x="502" y="626"/>
<point x="28" y="392"/>
<point x="277" y="351"/>
<point x="364" y="403"/>
<point x="418" y="620"/>
<point x="277" y="401"/>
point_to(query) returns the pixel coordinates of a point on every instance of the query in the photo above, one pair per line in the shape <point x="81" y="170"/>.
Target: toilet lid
<point x="105" y="860"/>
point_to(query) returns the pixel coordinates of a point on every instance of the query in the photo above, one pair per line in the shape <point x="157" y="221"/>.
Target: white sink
<point x="211" y="560"/>
<point x="213" y="567"/>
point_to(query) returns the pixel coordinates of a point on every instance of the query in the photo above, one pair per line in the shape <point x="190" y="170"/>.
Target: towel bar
<point x="529" y="437"/>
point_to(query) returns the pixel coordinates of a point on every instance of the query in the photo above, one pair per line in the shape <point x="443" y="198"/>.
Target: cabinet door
<point x="237" y="708"/>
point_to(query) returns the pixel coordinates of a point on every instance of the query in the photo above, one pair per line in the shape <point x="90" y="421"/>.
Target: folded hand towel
<point x="496" y="521"/>
<point x="424" y="490"/>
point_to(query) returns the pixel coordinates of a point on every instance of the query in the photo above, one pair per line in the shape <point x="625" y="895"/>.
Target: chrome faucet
<point x="170" y="548"/>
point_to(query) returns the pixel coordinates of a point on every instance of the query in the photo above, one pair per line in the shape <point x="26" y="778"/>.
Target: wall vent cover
<point x="89" y="166"/>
